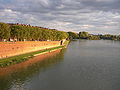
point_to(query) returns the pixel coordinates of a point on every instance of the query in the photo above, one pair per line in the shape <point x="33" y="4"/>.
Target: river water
<point x="84" y="65"/>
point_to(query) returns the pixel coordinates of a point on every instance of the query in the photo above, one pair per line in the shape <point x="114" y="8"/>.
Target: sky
<point x="94" y="16"/>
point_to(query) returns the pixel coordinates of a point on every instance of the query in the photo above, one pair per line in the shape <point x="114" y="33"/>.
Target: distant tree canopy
<point x="94" y="37"/>
<point x="29" y="33"/>
<point x="110" y="37"/>
<point x="83" y="35"/>
<point x="86" y="35"/>
<point x="73" y="35"/>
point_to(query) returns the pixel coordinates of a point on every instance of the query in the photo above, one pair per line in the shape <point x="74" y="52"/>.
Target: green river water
<point x="83" y="65"/>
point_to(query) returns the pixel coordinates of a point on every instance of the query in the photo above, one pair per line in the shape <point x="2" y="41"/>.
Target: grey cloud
<point x="75" y="15"/>
<point x="112" y="5"/>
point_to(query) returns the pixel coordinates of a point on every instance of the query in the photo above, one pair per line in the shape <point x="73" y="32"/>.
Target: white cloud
<point x="98" y="16"/>
<point x="45" y="3"/>
<point x="117" y="17"/>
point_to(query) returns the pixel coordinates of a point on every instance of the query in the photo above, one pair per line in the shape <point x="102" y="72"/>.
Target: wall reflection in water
<point x="20" y="73"/>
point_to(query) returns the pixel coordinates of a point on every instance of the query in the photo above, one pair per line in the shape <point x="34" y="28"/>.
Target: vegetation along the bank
<point x="86" y="35"/>
<point x="23" y="57"/>
<point x="23" y="32"/>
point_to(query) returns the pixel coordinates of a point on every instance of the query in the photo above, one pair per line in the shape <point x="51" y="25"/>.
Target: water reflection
<point x="84" y="65"/>
<point x="13" y="77"/>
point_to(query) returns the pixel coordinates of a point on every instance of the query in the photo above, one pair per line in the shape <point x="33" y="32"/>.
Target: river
<point x="83" y="65"/>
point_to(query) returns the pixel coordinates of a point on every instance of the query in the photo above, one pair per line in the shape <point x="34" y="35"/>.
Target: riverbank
<point x="42" y="60"/>
<point x="24" y="57"/>
<point x="8" y="49"/>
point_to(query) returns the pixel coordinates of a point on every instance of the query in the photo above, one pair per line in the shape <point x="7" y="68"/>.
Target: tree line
<point x="22" y="32"/>
<point x="86" y="35"/>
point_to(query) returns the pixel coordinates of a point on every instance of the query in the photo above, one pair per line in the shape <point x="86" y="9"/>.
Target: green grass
<point x="66" y="42"/>
<point x="23" y="57"/>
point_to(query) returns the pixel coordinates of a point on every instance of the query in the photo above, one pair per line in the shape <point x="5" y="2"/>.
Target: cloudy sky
<point x="94" y="16"/>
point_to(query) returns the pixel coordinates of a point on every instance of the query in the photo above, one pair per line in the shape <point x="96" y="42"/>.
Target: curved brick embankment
<point x="8" y="49"/>
<point x="22" y="66"/>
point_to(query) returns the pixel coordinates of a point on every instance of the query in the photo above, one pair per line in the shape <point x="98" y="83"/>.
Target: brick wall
<point x="8" y="49"/>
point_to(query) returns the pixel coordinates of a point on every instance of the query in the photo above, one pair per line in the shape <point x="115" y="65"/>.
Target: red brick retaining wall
<point x="8" y="49"/>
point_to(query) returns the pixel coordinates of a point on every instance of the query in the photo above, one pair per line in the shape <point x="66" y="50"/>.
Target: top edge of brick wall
<point x="26" y="42"/>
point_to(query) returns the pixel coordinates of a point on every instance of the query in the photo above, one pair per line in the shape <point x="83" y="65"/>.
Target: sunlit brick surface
<point x="8" y="49"/>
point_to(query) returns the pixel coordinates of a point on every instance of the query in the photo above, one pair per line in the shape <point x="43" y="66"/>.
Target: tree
<point x="83" y="35"/>
<point x="73" y="35"/>
<point x="23" y="32"/>
<point x="4" y="31"/>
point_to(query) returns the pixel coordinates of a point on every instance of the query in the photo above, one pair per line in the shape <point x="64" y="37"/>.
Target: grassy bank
<point x="23" y="57"/>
